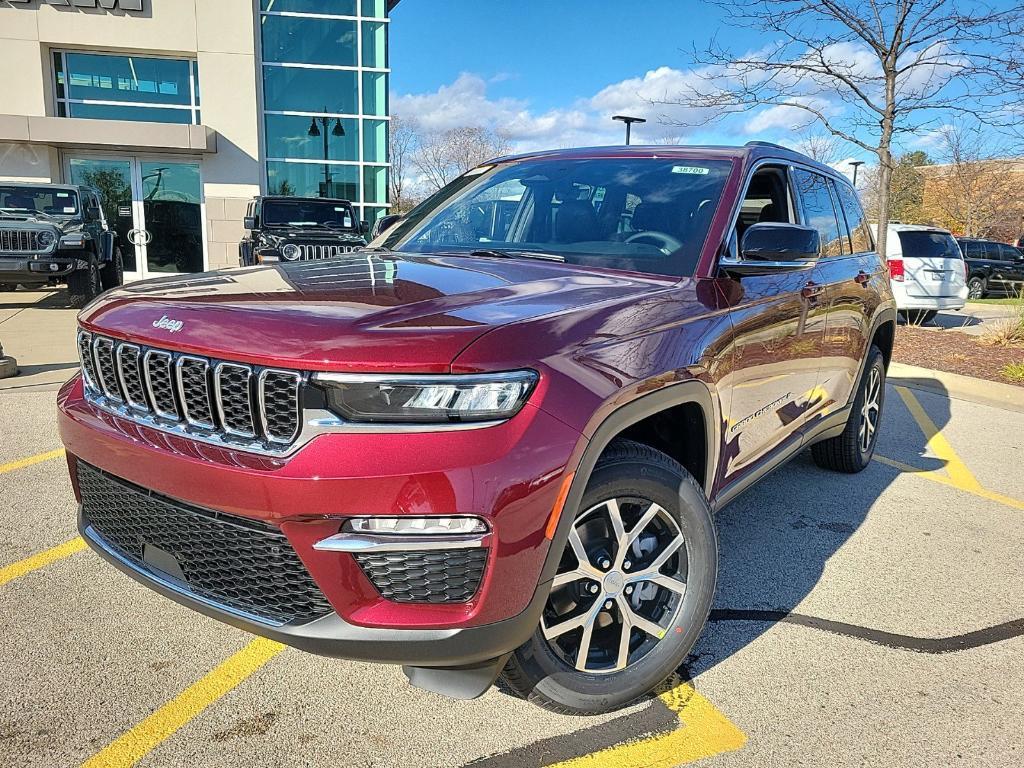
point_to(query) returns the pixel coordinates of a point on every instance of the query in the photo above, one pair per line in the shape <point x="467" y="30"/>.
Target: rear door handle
<point x="812" y="290"/>
<point x="862" y="277"/>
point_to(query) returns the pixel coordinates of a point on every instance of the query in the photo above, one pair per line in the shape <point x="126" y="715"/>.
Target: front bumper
<point x="508" y="474"/>
<point x="33" y="268"/>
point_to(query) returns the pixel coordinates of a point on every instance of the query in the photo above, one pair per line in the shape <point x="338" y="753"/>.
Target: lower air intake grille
<point x="445" y="576"/>
<point x="241" y="564"/>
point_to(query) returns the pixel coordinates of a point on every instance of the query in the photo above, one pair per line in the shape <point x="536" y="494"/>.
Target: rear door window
<point x="928" y="245"/>
<point x="819" y="211"/>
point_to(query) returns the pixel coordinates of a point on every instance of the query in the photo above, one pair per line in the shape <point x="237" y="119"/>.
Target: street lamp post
<point x="629" y="123"/>
<point x="856" y="164"/>
<point x="338" y="130"/>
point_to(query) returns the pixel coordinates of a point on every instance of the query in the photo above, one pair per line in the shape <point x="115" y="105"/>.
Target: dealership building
<point x="180" y="111"/>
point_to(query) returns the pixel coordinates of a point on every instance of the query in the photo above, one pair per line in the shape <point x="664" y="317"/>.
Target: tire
<point x="84" y="285"/>
<point x="847" y="452"/>
<point x="646" y="482"/>
<point x="977" y="287"/>
<point x="112" y="274"/>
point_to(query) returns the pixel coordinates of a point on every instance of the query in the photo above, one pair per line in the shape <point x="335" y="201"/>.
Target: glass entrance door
<point x="154" y="205"/>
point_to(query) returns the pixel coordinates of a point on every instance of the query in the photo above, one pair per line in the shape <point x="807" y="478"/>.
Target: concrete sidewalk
<point x="38" y="329"/>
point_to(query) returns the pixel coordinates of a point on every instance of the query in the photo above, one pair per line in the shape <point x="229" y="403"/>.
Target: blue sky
<point x="550" y="73"/>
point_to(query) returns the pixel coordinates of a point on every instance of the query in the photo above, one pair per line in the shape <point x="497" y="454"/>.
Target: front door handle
<point x="812" y="290"/>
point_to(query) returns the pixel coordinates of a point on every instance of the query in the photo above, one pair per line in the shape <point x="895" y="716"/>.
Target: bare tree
<point x="823" y="147"/>
<point x="403" y="137"/>
<point x="864" y="71"/>
<point x="443" y="156"/>
<point x="976" y="191"/>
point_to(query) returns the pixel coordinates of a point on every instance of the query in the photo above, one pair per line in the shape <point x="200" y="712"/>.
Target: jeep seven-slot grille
<point x="20" y="241"/>
<point x="245" y="565"/>
<point x="227" y="402"/>
<point x="314" y="252"/>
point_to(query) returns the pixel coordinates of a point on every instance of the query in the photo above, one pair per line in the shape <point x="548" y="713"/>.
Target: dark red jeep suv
<point x="492" y="442"/>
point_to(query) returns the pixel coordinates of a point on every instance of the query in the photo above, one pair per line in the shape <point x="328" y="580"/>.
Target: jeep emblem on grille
<point x="171" y="325"/>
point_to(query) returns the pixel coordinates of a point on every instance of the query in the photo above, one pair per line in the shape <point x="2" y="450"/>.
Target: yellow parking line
<point x="935" y="476"/>
<point x="135" y="744"/>
<point x="37" y="561"/>
<point x="703" y="732"/>
<point x="937" y="443"/>
<point x="38" y="459"/>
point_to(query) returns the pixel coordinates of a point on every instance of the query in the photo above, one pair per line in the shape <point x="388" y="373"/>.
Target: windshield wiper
<point x="511" y="254"/>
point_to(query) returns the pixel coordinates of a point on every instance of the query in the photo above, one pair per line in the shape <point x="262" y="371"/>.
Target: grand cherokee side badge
<point x="171" y="325"/>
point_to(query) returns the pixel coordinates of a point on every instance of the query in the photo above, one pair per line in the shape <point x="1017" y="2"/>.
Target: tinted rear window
<point x="928" y="245"/>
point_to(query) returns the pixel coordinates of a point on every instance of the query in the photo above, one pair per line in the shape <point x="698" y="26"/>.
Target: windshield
<point x="307" y="213"/>
<point x="929" y="245"/>
<point x="45" y="200"/>
<point x="639" y="214"/>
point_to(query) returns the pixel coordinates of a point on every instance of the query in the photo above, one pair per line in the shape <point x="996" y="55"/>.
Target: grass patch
<point x="1013" y="372"/>
<point x="1005" y="301"/>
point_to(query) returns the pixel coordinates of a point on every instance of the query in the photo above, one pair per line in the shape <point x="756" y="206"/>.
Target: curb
<point x="983" y="391"/>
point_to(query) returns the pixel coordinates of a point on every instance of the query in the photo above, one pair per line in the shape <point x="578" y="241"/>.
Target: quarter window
<point x="819" y="211"/>
<point x="860" y="235"/>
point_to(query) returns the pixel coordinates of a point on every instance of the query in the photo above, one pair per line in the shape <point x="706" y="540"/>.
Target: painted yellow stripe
<point x="703" y="732"/>
<point x="38" y="459"/>
<point x="938" y="477"/>
<point x="135" y="744"/>
<point x="37" y="561"/>
<point x="938" y="445"/>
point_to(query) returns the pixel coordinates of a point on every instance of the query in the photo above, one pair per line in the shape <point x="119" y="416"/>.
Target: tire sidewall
<point x="592" y="692"/>
<point x="875" y="360"/>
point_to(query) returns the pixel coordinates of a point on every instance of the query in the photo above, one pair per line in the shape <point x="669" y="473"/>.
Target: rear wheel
<point x="84" y="285"/>
<point x="632" y="592"/>
<point x="851" y="451"/>
<point x="977" y="287"/>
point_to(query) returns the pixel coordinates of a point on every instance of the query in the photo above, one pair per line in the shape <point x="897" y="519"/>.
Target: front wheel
<point x="84" y="285"/>
<point x="632" y="591"/>
<point x="851" y="451"/>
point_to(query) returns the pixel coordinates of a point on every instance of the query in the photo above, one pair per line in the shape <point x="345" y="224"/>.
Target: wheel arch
<point x="639" y="418"/>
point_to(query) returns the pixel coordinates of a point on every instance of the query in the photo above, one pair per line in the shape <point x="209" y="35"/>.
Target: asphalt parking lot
<point x="866" y="620"/>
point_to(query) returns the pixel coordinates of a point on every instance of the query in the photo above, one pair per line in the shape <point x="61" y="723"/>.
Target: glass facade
<point x="325" y="100"/>
<point x="118" y="87"/>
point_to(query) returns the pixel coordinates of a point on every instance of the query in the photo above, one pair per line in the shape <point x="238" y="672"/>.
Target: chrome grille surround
<point x="217" y="402"/>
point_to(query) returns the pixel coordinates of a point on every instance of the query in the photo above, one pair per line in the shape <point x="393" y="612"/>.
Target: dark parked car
<point x="992" y="268"/>
<point x="52" y="233"/>
<point x="299" y="229"/>
<point x="479" y="449"/>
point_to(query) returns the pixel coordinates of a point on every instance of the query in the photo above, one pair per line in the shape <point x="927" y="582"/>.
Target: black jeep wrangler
<point x="52" y="233"/>
<point x="299" y="229"/>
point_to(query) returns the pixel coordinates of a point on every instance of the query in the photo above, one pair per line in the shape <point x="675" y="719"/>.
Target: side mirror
<point x="383" y="224"/>
<point x="249" y="222"/>
<point x="769" y="247"/>
<point x="364" y="227"/>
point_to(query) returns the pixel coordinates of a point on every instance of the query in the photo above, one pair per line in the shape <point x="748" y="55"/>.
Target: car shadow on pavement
<point x="776" y="540"/>
<point x="52" y="298"/>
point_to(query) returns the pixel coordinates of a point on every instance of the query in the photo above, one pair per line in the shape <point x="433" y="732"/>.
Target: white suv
<point x="926" y="269"/>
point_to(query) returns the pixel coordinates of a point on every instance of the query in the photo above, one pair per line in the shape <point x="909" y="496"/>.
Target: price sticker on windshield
<point x="694" y="170"/>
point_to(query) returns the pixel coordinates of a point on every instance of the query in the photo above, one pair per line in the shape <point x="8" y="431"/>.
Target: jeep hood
<point x="369" y="311"/>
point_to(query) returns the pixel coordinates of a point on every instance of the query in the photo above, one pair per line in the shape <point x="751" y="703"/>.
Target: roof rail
<point x="771" y="144"/>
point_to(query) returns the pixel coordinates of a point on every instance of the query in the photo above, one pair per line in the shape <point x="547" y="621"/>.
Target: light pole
<point x="856" y="164"/>
<point x="629" y="123"/>
<point x="338" y="130"/>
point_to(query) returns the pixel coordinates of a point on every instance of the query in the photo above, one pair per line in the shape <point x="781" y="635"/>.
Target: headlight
<point x="427" y="399"/>
<point x="291" y="252"/>
<point x="45" y="239"/>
